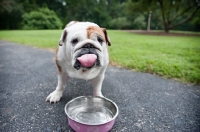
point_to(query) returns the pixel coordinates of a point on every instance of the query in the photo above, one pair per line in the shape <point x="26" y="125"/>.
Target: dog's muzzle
<point x="87" y="57"/>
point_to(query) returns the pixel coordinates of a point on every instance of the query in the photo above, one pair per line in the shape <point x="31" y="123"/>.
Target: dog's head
<point x="85" y="45"/>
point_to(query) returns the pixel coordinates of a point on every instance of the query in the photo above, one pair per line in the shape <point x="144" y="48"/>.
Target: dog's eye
<point x="74" y="41"/>
<point x="99" y="39"/>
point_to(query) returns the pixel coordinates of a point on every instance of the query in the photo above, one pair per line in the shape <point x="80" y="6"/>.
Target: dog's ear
<point x="106" y="36"/>
<point x="63" y="38"/>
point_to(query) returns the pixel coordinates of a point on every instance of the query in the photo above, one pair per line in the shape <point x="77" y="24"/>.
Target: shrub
<point x="139" y="22"/>
<point x="119" y="23"/>
<point x="43" y="18"/>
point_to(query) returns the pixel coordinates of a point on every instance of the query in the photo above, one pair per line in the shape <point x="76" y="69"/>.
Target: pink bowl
<point x="91" y="114"/>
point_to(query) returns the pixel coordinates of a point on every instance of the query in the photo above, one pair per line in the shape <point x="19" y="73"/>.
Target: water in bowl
<point x="91" y="115"/>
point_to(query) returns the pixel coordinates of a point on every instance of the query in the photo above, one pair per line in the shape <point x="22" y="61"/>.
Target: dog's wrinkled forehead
<point x="87" y="27"/>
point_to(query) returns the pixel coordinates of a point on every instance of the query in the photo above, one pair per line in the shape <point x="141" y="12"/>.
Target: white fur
<point x="66" y="59"/>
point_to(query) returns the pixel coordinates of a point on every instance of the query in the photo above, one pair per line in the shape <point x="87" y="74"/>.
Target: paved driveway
<point x="147" y="103"/>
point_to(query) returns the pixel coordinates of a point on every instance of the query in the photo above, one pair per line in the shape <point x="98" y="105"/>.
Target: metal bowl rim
<point x="117" y="110"/>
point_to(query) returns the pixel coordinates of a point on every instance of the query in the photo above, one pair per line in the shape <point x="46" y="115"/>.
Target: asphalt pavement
<point x="147" y="103"/>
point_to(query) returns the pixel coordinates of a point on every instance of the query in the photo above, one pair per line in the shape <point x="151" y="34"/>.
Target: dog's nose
<point x="88" y="46"/>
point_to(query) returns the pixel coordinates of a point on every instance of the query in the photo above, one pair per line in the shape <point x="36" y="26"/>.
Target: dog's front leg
<point x="57" y="94"/>
<point x="97" y="84"/>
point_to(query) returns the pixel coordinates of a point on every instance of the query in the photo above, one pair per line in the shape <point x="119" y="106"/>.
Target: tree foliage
<point x="171" y="13"/>
<point x="43" y="18"/>
<point x="113" y="14"/>
<point x="10" y="14"/>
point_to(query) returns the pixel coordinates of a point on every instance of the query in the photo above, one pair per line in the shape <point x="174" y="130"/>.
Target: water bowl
<point x="91" y="114"/>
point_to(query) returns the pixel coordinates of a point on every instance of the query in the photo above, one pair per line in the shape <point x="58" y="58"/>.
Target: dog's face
<point x="85" y="47"/>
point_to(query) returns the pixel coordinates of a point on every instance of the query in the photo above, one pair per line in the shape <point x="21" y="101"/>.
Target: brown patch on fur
<point x="58" y="66"/>
<point x="94" y="29"/>
<point x="101" y="31"/>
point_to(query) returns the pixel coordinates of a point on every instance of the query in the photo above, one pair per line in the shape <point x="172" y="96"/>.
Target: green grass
<point x="171" y="57"/>
<point x="35" y="38"/>
<point x="168" y="56"/>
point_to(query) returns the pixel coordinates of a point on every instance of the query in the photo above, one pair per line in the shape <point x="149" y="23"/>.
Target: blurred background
<point x="112" y="14"/>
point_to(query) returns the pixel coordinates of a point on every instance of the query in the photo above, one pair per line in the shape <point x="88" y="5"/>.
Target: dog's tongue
<point x="87" y="60"/>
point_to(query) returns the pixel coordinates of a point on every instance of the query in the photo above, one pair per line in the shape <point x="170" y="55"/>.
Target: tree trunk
<point x="167" y="28"/>
<point x="149" y="22"/>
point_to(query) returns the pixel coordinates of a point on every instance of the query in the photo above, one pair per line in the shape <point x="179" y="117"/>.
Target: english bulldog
<point x="82" y="53"/>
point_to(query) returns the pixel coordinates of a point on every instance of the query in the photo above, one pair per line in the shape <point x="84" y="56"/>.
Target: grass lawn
<point x="35" y="38"/>
<point x="169" y="56"/>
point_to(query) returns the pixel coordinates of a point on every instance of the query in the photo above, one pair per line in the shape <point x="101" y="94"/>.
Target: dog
<point x="82" y="53"/>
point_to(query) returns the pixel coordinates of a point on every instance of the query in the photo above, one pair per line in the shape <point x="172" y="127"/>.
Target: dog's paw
<point x="54" y="96"/>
